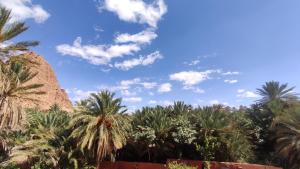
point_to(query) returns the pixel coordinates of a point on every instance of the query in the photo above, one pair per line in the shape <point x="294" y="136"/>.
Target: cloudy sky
<point x="157" y="51"/>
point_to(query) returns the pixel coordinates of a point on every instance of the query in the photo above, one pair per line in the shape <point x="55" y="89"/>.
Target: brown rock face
<point x="54" y="94"/>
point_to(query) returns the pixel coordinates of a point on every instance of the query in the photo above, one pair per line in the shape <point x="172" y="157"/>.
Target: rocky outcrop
<point x="53" y="93"/>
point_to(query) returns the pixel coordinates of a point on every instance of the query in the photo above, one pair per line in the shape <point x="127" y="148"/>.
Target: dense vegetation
<point x="99" y="129"/>
<point x="267" y="132"/>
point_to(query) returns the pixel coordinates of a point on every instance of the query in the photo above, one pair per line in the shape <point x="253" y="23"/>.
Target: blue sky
<point x="157" y="51"/>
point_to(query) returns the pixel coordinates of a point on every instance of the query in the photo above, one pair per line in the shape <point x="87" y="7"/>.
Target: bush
<point x="175" y="165"/>
<point x="9" y="166"/>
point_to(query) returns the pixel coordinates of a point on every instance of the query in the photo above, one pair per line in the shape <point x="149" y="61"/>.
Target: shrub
<point x="175" y="165"/>
<point x="9" y="166"/>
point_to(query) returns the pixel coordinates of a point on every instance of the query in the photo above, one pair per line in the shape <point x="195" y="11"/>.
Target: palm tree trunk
<point x="3" y="114"/>
<point x="2" y="100"/>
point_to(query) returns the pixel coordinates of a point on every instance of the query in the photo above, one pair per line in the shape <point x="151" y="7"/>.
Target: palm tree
<point x="8" y="31"/>
<point x="14" y="71"/>
<point x="180" y="108"/>
<point x="219" y="136"/>
<point x="47" y="139"/>
<point x="14" y="75"/>
<point x="8" y="139"/>
<point x="211" y="118"/>
<point x="151" y="133"/>
<point x="274" y="91"/>
<point x="211" y="124"/>
<point x="287" y="140"/>
<point x="99" y="125"/>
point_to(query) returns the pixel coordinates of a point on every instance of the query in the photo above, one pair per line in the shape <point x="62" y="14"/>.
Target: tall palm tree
<point x="287" y="140"/>
<point x="8" y="31"/>
<point x="100" y="126"/>
<point x="274" y="91"/>
<point x="14" y="75"/>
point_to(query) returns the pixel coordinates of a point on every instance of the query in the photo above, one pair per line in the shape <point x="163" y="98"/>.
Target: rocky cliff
<point x="54" y="94"/>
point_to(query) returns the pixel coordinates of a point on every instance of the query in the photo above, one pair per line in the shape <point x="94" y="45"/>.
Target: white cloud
<point x="127" y="93"/>
<point x="147" y="60"/>
<point x="128" y="83"/>
<point x="166" y="103"/>
<point x="98" y="29"/>
<point x="216" y="102"/>
<point x="213" y="102"/>
<point x="230" y="81"/>
<point x="212" y="55"/>
<point x="133" y="87"/>
<point x="241" y="90"/>
<point x="143" y="37"/>
<point x="130" y="87"/>
<point x="193" y="63"/>
<point x="124" y="87"/>
<point x="77" y="94"/>
<point x="165" y="87"/>
<point x="97" y="54"/>
<point x="226" y="104"/>
<point x="137" y="11"/>
<point x="132" y="99"/>
<point x="131" y="109"/>
<point x="25" y="9"/>
<point x="194" y="89"/>
<point x="231" y="73"/>
<point x="149" y="85"/>
<point x="152" y="102"/>
<point x="163" y="102"/>
<point x="190" y="78"/>
<point x="105" y="70"/>
<point x="246" y="94"/>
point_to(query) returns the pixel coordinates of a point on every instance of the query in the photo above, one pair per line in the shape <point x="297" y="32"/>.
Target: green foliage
<point x="46" y="146"/>
<point x="211" y="118"/>
<point x="145" y="134"/>
<point x="221" y="136"/>
<point x="208" y="148"/>
<point x="14" y="75"/>
<point x="155" y="119"/>
<point x="239" y="147"/>
<point x="179" y="131"/>
<point x="183" y="131"/>
<point x="287" y="139"/>
<point x="99" y="126"/>
<point x="160" y="129"/>
<point x="10" y="139"/>
<point x="41" y="165"/>
<point x="267" y="133"/>
<point x="10" y="166"/>
<point x="14" y="71"/>
<point x="175" y="165"/>
<point x="274" y="91"/>
<point x="206" y="164"/>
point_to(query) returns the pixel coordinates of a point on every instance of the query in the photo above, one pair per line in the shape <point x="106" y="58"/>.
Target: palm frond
<point x="100" y="125"/>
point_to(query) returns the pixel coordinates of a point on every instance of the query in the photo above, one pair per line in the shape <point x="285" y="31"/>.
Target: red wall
<point x="131" y="165"/>
<point x="198" y="164"/>
<point x="225" y="165"/>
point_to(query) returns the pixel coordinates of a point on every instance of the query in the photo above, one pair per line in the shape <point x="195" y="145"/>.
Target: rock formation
<point x="46" y="76"/>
